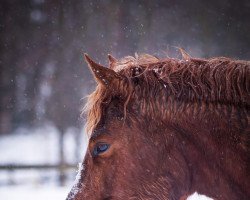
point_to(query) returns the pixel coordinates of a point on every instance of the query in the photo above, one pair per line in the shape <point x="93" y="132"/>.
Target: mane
<point x="153" y="82"/>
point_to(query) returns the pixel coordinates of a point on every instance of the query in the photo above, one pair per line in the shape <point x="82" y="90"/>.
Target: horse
<point x="162" y="129"/>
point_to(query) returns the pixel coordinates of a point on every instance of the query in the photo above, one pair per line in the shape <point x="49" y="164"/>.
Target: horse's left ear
<point x="102" y="74"/>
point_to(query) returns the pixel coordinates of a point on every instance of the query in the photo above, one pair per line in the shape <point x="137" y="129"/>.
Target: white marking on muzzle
<point x="76" y="186"/>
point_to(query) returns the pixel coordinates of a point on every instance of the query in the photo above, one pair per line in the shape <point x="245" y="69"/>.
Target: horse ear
<point x="103" y="75"/>
<point x="184" y="54"/>
<point x="112" y="61"/>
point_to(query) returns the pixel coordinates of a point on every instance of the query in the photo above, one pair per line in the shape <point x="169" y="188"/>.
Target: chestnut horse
<point x="162" y="129"/>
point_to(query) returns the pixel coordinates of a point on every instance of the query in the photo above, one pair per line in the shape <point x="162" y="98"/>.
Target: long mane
<point x="153" y="82"/>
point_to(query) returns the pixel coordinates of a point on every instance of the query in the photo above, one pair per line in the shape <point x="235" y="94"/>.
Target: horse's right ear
<point x="102" y="74"/>
<point x="112" y="61"/>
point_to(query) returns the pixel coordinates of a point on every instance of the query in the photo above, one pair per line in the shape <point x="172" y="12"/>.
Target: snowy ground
<point x="33" y="193"/>
<point x="36" y="146"/>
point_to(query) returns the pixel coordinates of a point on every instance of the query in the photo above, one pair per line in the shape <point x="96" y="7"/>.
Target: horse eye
<point x="100" y="148"/>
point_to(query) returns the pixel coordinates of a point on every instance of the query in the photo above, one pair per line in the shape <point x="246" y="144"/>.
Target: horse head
<point x="162" y="129"/>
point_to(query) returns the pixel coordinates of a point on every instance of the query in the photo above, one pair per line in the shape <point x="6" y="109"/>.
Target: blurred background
<point x="43" y="77"/>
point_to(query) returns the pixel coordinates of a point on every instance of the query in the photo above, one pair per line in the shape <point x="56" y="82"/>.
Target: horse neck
<point x="211" y="140"/>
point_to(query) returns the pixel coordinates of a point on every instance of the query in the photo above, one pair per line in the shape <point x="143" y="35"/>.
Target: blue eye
<point x="100" y="148"/>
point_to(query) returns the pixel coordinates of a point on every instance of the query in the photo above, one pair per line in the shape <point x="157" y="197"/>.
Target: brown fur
<point x="176" y="126"/>
<point x="218" y="81"/>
